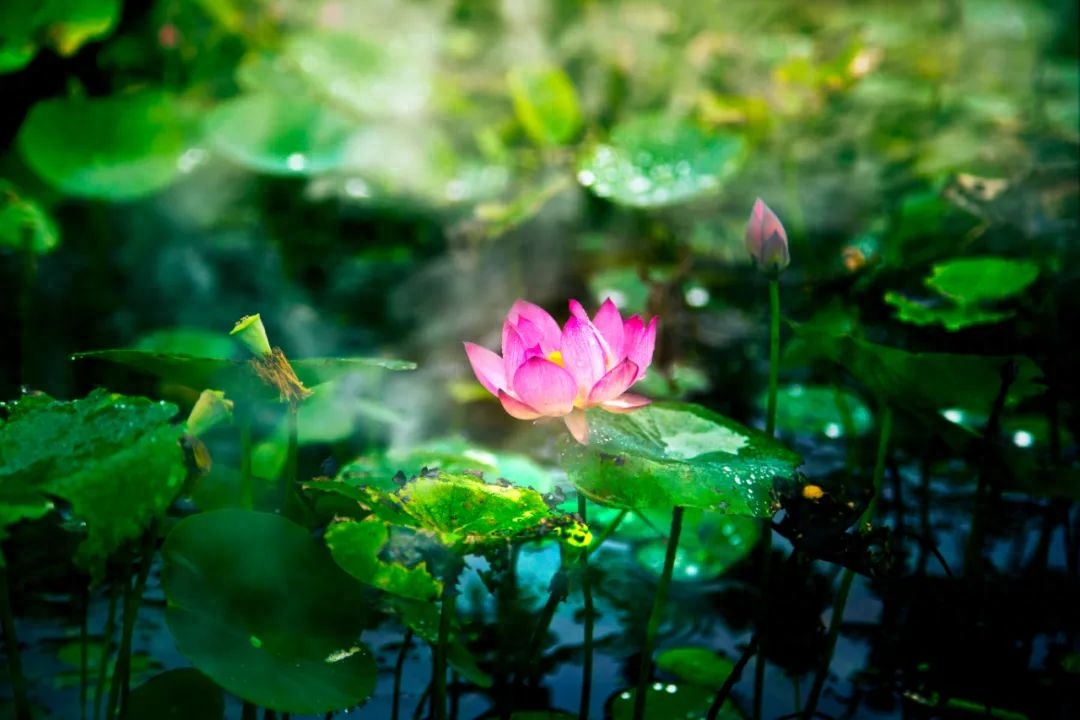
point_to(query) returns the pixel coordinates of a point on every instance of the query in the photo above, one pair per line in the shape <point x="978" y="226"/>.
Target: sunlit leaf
<point x="654" y="161"/>
<point x="972" y="280"/>
<point x="176" y="695"/>
<point x="115" y="459"/>
<point x="188" y="341"/>
<point x="113" y="148"/>
<point x="669" y="453"/>
<point x="264" y="611"/>
<point x="279" y="134"/>
<point x="545" y="103"/>
<point x="356" y="547"/>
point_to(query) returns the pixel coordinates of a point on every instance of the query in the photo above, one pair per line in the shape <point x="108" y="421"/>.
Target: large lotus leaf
<point x="236" y="377"/>
<point x="972" y="280"/>
<point x="113" y="148"/>
<point x="177" y="694"/>
<point x="665" y="701"/>
<point x="671" y="453"/>
<point x="261" y="608"/>
<point x="357" y="548"/>
<point x="188" y="341"/>
<point x="655" y="161"/>
<point x="116" y="459"/>
<point x="709" y="546"/>
<point x="280" y="134"/>
<point x="545" y="104"/>
<point x="66" y="25"/>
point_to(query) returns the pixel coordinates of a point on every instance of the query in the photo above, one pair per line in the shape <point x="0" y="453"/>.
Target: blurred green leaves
<point x="115" y="148"/>
<point x="655" y="161"/>
<point x="545" y="104"/>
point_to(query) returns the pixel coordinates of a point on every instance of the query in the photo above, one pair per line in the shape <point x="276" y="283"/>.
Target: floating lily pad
<point x="670" y="700"/>
<point x="655" y="161"/>
<point x="177" y="695"/>
<point x="357" y="548"/>
<point x="236" y="377"/>
<point x="115" y="459"/>
<point x="265" y="612"/>
<point x="545" y="104"/>
<point x="951" y="317"/>
<point x="709" y="546"/>
<point x="696" y="665"/>
<point x="279" y="134"/>
<point x="113" y="148"/>
<point x="972" y="280"/>
<point x="670" y="453"/>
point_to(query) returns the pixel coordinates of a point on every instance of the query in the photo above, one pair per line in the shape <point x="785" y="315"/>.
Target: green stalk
<point x="840" y="601"/>
<point x="645" y="671"/>
<point x="84" y="649"/>
<point x="760" y="661"/>
<point x="557" y="592"/>
<point x="118" y="692"/>
<point x="23" y="709"/>
<point x="774" y="354"/>
<point x="399" y="666"/>
<point x="249" y="711"/>
<point x="590" y="620"/>
<point x="446" y="613"/>
<point x="106" y="648"/>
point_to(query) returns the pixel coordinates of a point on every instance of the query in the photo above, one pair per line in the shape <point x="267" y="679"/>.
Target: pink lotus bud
<point x="766" y="240"/>
<point x="546" y="371"/>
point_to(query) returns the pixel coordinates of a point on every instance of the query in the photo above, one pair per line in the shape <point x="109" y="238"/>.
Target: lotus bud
<point x="766" y="240"/>
<point x="250" y="331"/>
<point x="210" y="409"/>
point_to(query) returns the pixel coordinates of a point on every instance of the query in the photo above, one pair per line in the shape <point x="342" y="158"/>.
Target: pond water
<point x="437" y="359"/>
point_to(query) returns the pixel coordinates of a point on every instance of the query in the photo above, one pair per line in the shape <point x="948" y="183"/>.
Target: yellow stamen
<point x="555" y="356"/>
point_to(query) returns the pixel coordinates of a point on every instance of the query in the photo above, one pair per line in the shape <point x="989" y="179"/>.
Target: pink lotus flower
<point x="548" y="372"/>
<point x="766" y="240"/>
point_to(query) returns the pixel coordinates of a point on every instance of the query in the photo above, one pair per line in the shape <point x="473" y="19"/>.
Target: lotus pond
<point x="619" y="359"/>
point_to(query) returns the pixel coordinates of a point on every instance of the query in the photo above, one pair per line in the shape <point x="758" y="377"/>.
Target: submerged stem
<point x="588" y="624"/>
<point x="446" y="613"/>
<point x="23" y="710"/>
<point x="118" y="692"/>
<point x="645" y="671"/>
<point x="840" y="602"/>
<point x="399" y="666"/>
<point x="106" y="648"/>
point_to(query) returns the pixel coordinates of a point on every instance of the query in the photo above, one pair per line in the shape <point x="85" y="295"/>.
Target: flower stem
<point x="23" y="709"/>
<point x="399" y="666"/>
<point x="106" y="648"/>
<point x="118" y="692"/>
<point x="774" y="354"/>
<point x="848" y="577"/>
<point x="760" y="661"/>
<point x="446" y="614"/>
<point x="247" y="491"/>
<point x="645" y="671"/>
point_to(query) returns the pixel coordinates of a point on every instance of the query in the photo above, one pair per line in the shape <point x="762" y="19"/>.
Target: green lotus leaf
<point x="263" y="610"/>
<point x="671" y="453"/>
<point x="114" y="458"/>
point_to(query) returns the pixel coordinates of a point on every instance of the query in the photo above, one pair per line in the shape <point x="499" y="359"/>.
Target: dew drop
<point x="296" y="162"/>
